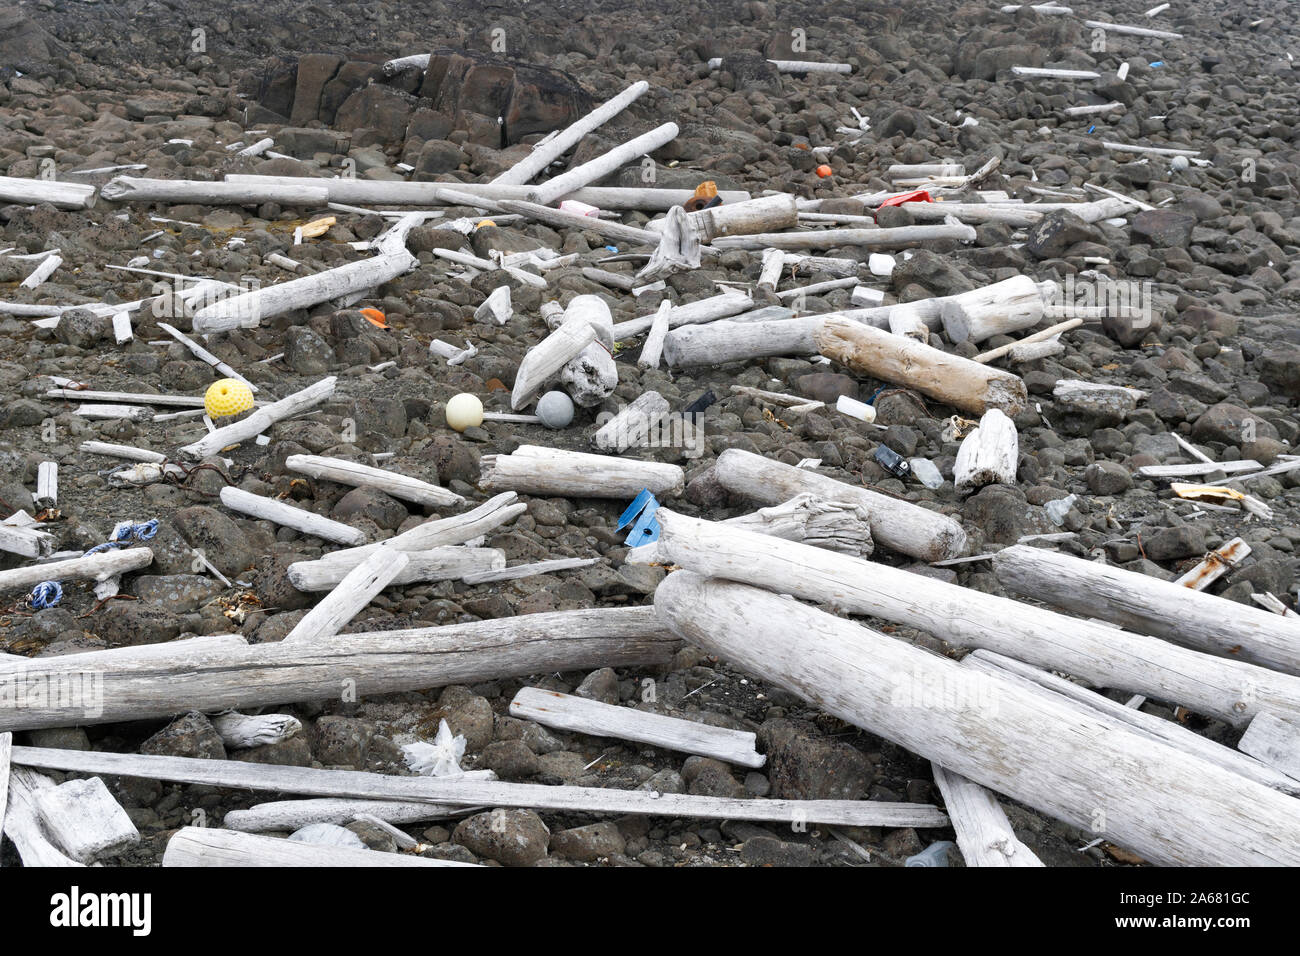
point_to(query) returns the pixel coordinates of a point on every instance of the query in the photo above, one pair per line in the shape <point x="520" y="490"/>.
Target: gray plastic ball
<point x="555" y="409"/>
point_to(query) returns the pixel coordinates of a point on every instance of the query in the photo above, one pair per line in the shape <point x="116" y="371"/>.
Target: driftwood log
<point x="536" y="470"/>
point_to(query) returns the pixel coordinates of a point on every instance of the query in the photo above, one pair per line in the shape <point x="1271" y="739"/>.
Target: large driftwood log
<point x="207" y="675"/>
<point x="1142" y="603"/>
<point x="57" y="194"/>
<point x="1167" y="731"/>
<point x="469" y="792"/>
<point x="1231" y="690"/>
<point x="988" y="455"/>
<point x="535" y="163"/>
<point x="1168" y="806"/>
<point x="602" y="165"/>
<point x="208" y="846"/>
<point x="1009" y="306"/>
<point x="953" y="380"/>
<point x="553" y="709"/>
<point x="898" y="525"/>
<point x="984" y="834"/>
<point x="435" y="564"/>
<point x="729" y="302"/>
<point x="261" y="419"/>
<point x="132" y="189"/>
<point x="249" y="309"/>
<point x="535" y="470"/>
<point x="350" y="596"/>
<point x="391" y="192"/>
<point x="549" y="356"/>
<point x="1276" y="742"/>
<point x="721" y="342"/>
<point x="770" y="213"/>
<point x="362" y="476"/>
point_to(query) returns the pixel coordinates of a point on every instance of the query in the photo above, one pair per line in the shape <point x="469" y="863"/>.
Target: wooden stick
<point x="434" y="564"/>
<point x="984" y="834"/>
<point x="536" y="162"/>
<point x="208" y="846"/>
<point x="528" y="570"/>
<point x="1215" y="565"/>
<point x="1231" y="690"/>
<point x="604" y="164"/>
<point x="43" y="271"/>
<point x="203" y="355"/>
<point x="1034" y="71"/>
<point x="363" y="476"/>
<point x="719" y="343"/>
<point x="536" y="470"/>
<point x="292" y="815"/>
<point x="1170" y="807"/>
<point x="129" y="452"/>
<point x="1147" y="604"/>
<point x="896" y="524"/>
<point x="261" y="419"/>
<point x="141" y="398"/>
<point x="1195" y="469"/>
<point x="553" y="709"/>
<point x="95" y="567"/>
<point x="653" y="348"/>
<point x="729" y="302"/>
<point x="1132" y="31"/>
<point x="1045" y="334"/>
<point x="562" y="218"/>
<point x="283" y="513"/>
<point x="350" y="596"/>
<point x="902" y="237"/>
<point x="354" y="783"/>
<point x="208" y="675"/>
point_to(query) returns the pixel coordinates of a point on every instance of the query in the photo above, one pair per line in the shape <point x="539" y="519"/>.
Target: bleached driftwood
<point x="249" y="309"/>
<point x="769" y="275"/>
<point x="1146" y="604"/>
<point x="1047" y="333"/>
<point x="363" y="476"/>
<point x="536" y="162"/>
<point x="433" y="564"/>
<point x="261" y="419"/>
<point x="129" y="452"/>
<point x="493" y="793"/>
<point x="592" y="375"/>
<point x="719" y="343"/>
<point x="397" y="193"/>
<point x="843" y="526"/>
<point x="1275" y="742"/>
<point x="631" y="426"/>
<point x="902" y="237"/>
<point x="132" y="189"/>
<point x="290" y="815"/>
<point x="678" y="249"/>
<point x="22" y="820"/>
<point x="905" y="320"/>
<point x="211" y="675"/>
<point x="6" y="749"/>
<point x="984" y="834"/>
<point x="536" y="470"/>
<point x="563" y="219"/>
<point x="729" y="302"/>
<point x="1195" y="469"/>
<point x="350" y="596"/>
<point x="133" y="413"/>
<point x="988" y="455"/>
<point x="1131" y="31"/>
<point x="1008" y="306"/>
<point x="1020" y="353"/>
<point x="57" y="194"/>
<point x="1167" y="731"/>
<point x="1036" y="71"/>
<point x="579" y="715"/>
<point x="1150" y="150"/>
<point x="1168" y="806"/>
<point x="241" y="731"/>
<point x="27" y="542"/>
<point x="1214" y="565"/>
<point x="43" y="271"/>
<point x="203" y="355"/>
<point x="208" y="846"/>
<point x="83" y="819"/>
<point x="601" y="166"/>
<point x="953" y="380"/>
<point x="767" y="214"/>
<point x="1096" y="399"/>
<point x="549" y="356"/>
<point x="514" y="572"/>
<point x="496" y="306"/>
<point x="1231" y="690"/>
<point x="652" y="350"/>
<point x="896" y="524"/>
<point x="142" y="398"/>
<point x="285" y="514"/>
<point x="95" y="567"/>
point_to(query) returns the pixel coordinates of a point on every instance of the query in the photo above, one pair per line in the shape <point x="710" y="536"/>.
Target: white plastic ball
<point x="1179" y="163"/>
<point x="555" y="409"/>
<point x="464" y="411"/>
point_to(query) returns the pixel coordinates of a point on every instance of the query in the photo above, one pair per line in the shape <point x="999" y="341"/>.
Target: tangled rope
<point x="125" y="533"/>
<point x="46" y="594"/>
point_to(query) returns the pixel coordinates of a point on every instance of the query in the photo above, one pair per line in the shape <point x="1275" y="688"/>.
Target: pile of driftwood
<point x="765" y="592"/>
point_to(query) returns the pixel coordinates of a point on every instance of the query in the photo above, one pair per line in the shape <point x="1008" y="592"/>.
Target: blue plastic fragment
<point x="612" y="248"/>
<point x="640" y="516"/>
<point x="1091" y="128"/>
<point x="1158" y="63"/>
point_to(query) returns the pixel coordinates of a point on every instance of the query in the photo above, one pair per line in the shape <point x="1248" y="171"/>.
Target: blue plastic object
<point x="1158" y="63"/>
<point x="46" y="594"/>
<point x="936" y="854"/>
<point x="640" y="517"/>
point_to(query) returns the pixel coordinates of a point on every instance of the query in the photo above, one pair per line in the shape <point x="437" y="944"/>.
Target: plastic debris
<point x="46" y="594"/>
<point x="639" y="516"/>
<point x="892" y="461"/>
<point x="555" y="409"/>
<point x="936" y="854"/>
<point x="926" y="472"/>
<point x="440" y="758"/>
<point x="464" y="411"/>
<point x="227" y="397"/>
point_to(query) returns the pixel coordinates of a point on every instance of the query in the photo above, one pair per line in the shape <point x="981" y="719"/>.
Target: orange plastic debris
<point x="823" y="171"/>
<point x="706" y="190"/>
<point x="375" y="318"/>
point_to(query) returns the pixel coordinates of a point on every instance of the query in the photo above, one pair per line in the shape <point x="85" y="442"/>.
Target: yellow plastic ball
<point x="227" y="397"/>
<point x="464" y="411"/>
